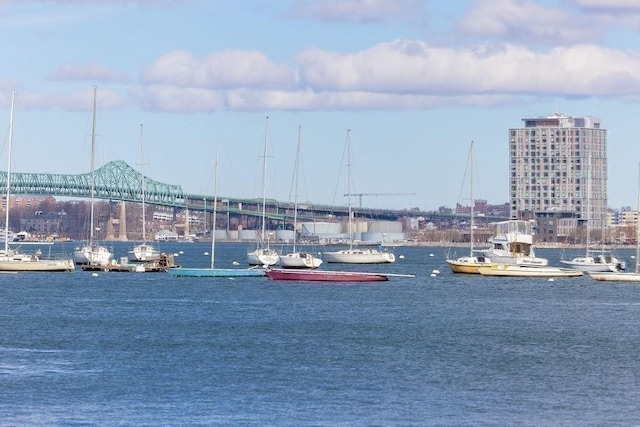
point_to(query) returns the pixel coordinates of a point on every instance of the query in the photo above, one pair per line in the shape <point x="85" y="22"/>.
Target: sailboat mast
<point x="215" y="209"/>
<point x="472" y="200"/>
<point x="6" y="219"/>
<point x="349" y="187"/>
<point x="93" y="162"/>
<point x="295" y="189"/>
<point x="144" y="217"/>
<point x="638" y="225"/>
<point x="264" y="178"/>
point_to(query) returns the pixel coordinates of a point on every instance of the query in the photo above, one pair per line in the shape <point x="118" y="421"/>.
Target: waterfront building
<point x="559" y="163"/>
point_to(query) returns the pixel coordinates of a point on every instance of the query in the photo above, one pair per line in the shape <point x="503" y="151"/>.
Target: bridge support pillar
<point x="122" y="230"/>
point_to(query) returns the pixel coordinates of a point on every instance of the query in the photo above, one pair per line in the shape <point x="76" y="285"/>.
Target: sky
<point x="413" y="81"/>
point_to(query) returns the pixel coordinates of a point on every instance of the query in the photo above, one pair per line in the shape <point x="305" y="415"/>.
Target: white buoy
<point x="94" y="274"/>
<point x="181" y="252"/>
<point x="434" y="275"/>
<point x="430" y="254"/>
<point x="633" y="257"/>
<point x="236" y="263"/>
<point x="551" y="279"/>
<point x="436" y="271"/>
<point x="175" y="254"/>
<point x="401" y="257"/>
<point x="206" y="253"/>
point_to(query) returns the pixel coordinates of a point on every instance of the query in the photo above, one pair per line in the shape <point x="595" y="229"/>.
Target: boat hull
<point x="527" y="271"/>
<point x="263" y="256"/>
<point x="37" y="265"/>
<point x="215" y="272"/>
<point x="615" y="277"/>
<point x="324" y="276"/>
<point x="468" y="265"/>
<point x="93" y="254"/>
<point x="143" y="253"/>
<point x="300" y="260"/>
<point x="359" y="256"/>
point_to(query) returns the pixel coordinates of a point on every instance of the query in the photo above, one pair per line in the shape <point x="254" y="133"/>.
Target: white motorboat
<point x="513" y="245"/>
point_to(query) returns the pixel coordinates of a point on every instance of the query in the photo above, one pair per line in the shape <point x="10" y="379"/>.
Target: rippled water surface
<point x="148" y="349"/>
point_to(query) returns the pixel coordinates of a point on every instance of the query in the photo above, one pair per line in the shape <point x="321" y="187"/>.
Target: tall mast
<point x="472" y="200"/>
<point x="295" y="189"/>
<point x="6" y="220"/>
<point x="349" y="186"/>
<point x="264" y="178"/>
<point x="638" y="225"/>
<point x="215" y="209"/>
<point x="93" y="162"/>
<point x="144" y="217"/>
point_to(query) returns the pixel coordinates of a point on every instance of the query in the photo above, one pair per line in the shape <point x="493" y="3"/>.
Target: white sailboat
<point x="469" y="264"/>
<point x="145" y="251"/>
<point x="619" y="276"/>
<point x="93" y="254"/>
<point x="213" y="271"/>
<point x="12" y="259"/>
<point x="263" y="254"/>
<point x="297" y="259"/>
<point x="593" y="260"/>
<point x="356" y="255"/>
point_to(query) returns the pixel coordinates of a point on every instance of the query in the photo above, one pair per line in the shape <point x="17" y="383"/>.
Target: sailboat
<point x="593" y="260"/>
<point x="619" y="276"/>
<point x="213" y="271"/>
<point x="93" y="254"/>
<point x="296" y="259"/>
<point x="356" y="255"/>
<point x="470" y="264"/>
<point x="12" y="259"/>
<point x="144" y="251"/>
<point x="264" y="255"/>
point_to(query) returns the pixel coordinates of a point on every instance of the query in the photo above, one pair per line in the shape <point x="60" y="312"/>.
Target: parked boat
<point x="356" y="255"/>
<point x="619" y="276"/>
<point x="145" y="251"/>
<point x="513" y="245"/>
<point x="12" y="259"/>
<point x="93" y="253"/>
<point x="296" y="259"/>
<point x="324" y="275"/>
<point x="213" y="271"/>
<point x="594" y="261"/>
<point x="528" y="271"/>
<point x="469" y="264"/>
<point x="263" y="254"/>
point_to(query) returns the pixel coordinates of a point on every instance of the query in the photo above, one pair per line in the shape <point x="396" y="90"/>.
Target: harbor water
<point x="435" y="349"/>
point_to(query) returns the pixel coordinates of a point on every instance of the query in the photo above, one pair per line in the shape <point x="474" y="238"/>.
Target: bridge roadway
<point x="117" y="181"/>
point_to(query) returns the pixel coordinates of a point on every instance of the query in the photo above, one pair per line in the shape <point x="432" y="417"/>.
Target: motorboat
<point x="513" y="245"/>
<point x="596" y="262"/>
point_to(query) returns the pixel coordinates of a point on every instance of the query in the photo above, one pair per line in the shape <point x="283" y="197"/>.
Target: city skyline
<point x="414" y="80"/>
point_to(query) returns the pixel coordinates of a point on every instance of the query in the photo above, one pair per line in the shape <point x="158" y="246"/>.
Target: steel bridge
<point x="117" y="181"/>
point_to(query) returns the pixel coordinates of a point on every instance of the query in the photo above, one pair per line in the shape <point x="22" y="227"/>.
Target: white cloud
<point x="406" y="67"/>
<point x="179" y="99"/>
<point x="355" y="10"/>
<point x="227" y="69"/>
<point x="92" y="72"/>
<point x="528" y="22"/>
<point x="81" y="100"/>
<point x="608" y="4"/>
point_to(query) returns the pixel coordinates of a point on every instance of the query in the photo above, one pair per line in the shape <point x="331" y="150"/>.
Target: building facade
<point x="559" y="163"/>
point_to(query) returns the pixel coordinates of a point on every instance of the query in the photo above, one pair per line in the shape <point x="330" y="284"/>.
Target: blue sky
<point x="414" y="80"/>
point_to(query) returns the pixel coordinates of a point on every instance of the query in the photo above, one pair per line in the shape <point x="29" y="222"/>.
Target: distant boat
<point x="263" y="254"/>
<point x="356" y="255"/>
<point x="619" y="276"/>
<point x="213" y="271"/>
<point x="144" y="251"/>
<point x="528" y="271"/>
<point x="469" y="264"/>
<point x="12" y="259"/>
<point x="296" y="259"/>
<point x="93" y="253"/>
<point x="593" y="260"/>
<point x="324" y="275"/>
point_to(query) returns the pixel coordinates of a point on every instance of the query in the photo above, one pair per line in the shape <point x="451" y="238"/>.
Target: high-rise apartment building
<point x="559" y="163"/>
